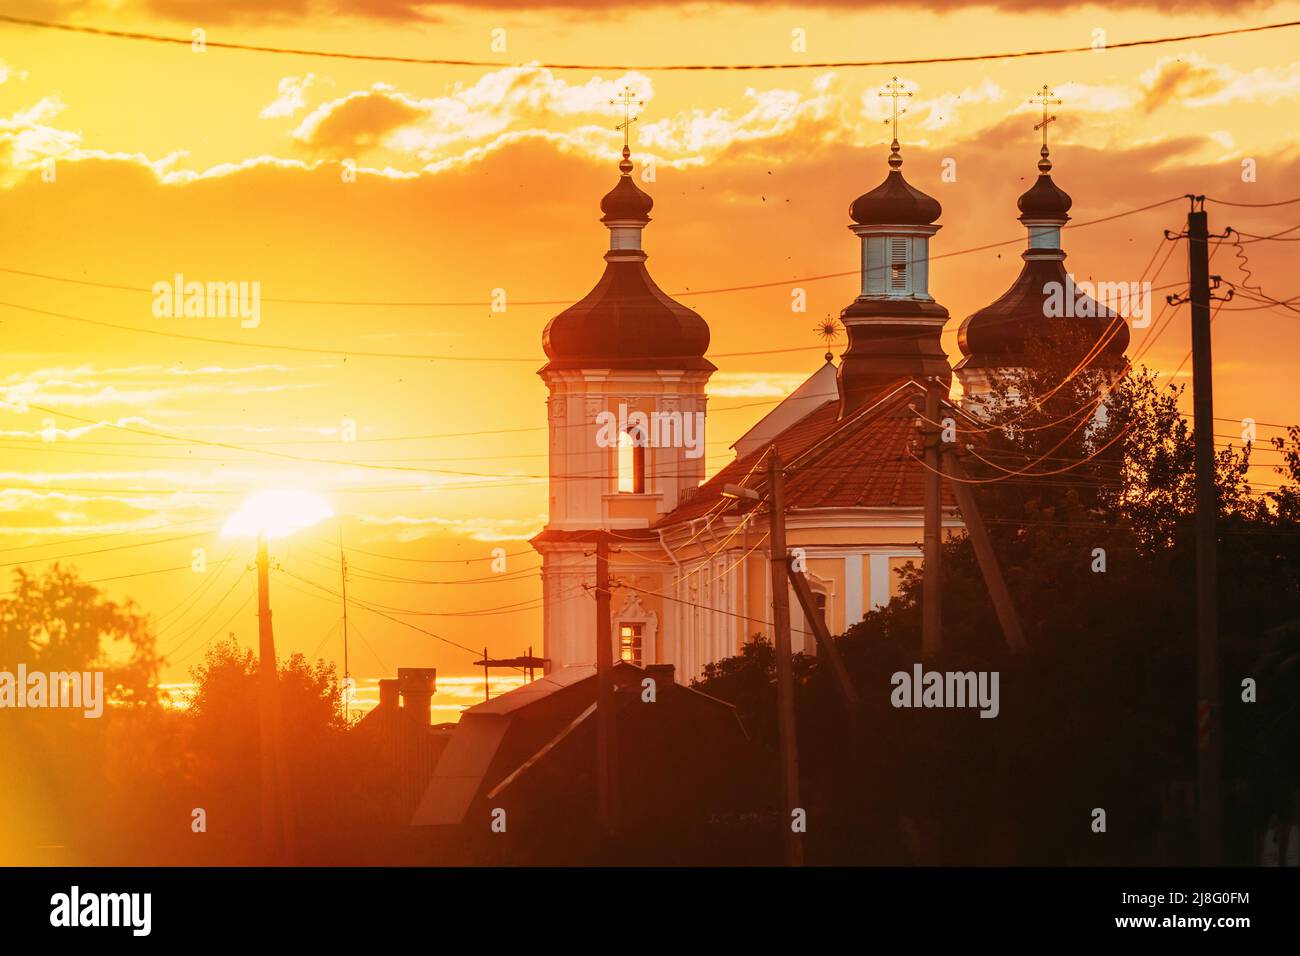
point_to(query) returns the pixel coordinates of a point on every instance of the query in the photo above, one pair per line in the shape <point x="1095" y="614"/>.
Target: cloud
<point x="1193" y="81"/>
<point x="293" y="96"/>
<point x="27" y="139"/>
<point x="426" y="127"/>
<point x="484" y="529"/>
<point x="941" y="111"/>
<point x="772" y="114"/>
<point x="754" y="384"/>
<point x="277" y="12"/>
<point x="358" y="121"/>
<point x="151" y="386"/>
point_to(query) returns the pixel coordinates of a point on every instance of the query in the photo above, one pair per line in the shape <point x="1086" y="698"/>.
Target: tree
<point x="224" y="735"/>
<point x="57" y="622"/>
<point x="1091" y="514"/>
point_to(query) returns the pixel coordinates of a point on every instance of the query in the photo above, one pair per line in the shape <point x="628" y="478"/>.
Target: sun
<point x="276" y="514"/>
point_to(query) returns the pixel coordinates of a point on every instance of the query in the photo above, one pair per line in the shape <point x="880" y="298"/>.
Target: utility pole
<point x="606" y="768"/>
<point x="931" y="570"/>
<point x="1207" y="605"/>
<point x="780" y="567"/>
<point x="276" y="823"/>
<point x="999" y="594"/>
<point x="347" y="676"/>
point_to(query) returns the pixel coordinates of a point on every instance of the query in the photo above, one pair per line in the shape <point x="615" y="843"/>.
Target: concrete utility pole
<point x="607" y="809"/>
<point x="931" y="570"/>
<point x="780" y="566"/>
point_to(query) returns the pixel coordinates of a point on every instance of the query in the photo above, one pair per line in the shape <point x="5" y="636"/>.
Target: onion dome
<point x="626" y="321"/>
<point x="1043" y="300"/>
<point x="997" y="336"/>
<point x="895" y="202"/>
<point x="626" y="200"/>
<point x="1044" y="199"/>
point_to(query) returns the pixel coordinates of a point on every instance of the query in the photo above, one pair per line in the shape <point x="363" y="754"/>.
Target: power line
<point x="119" y="547"/>
<point x="693" y="67"/>
<point x="107" y="534"/>
<point x="248" y="600"/>
<point x="680" y="294"/>
<point x="1253" y="205"/>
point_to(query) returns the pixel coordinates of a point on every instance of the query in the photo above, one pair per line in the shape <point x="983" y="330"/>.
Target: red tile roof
<point x="864" y="461"/>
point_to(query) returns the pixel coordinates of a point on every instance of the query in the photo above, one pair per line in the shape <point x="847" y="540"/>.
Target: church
<point x="627" y="373"/>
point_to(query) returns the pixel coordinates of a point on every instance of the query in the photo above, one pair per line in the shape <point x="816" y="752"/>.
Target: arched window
<point x="631" y="465"/>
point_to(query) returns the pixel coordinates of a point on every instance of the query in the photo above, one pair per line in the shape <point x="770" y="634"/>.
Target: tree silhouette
<point x="55" y="621"/>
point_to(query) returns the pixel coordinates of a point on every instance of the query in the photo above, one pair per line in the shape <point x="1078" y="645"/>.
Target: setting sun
<point x="276" y="514"/>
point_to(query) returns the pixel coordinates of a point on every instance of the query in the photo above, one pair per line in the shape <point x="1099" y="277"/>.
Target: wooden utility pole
<point x="347" y="676"/>
<point x="606" y="767"/>
<point x="826" y="645"/>
<point x="931" y="570"/>
<point x="780" y="566"/>
<point x="273" y="778"/>
<point x="1207" y="609"/>
<point x="984" y="554"/>
<point x="266" y="679"/>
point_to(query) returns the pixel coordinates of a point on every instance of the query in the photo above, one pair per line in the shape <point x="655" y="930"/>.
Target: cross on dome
<point x="1047" y="98"/>
<point x="627" y="99"/>
<point x="895" y="89"/>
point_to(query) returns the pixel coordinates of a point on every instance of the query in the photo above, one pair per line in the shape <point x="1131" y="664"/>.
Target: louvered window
<point x="898" y="255"/>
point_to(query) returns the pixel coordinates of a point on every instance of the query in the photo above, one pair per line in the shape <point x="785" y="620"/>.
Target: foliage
<point x="1100" y="711"/>
<point x="57" y="622"/>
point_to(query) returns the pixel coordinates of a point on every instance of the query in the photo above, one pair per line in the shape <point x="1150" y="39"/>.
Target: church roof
<point x="863" y="461"/>
<point x="626" y="200"/>
<point x="627" y="321"/>
<point x="1044" y="199"/>
<point x="895" y="202"/>
<point x="498" y="741"/>
<point x="818" y="389"/>
<point x="997" y="335"/>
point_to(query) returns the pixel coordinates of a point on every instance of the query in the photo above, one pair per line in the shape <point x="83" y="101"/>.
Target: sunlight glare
<point x="277" y="514"/>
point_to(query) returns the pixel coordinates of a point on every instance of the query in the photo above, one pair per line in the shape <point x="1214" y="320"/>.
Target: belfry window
<point x="898" y="256"/>
<point x="631" y="465"/>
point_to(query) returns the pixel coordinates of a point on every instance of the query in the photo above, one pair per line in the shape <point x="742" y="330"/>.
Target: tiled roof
<point x="862" y="462"/>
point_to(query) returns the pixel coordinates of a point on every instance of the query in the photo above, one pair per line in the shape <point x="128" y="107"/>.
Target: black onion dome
<point x="998" y="334"/>
<point x="1044" y="199"/>
<point x="627" y="321"/>
<point x="895" y="202"/>
<point x="626" y="200"/>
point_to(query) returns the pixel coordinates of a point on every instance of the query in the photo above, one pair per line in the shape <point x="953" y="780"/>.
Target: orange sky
<point x="226" y="166"/>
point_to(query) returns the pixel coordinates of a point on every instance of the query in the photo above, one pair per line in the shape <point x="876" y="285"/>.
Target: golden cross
<point x="1047" y="98"/>
<point x="894" y="89"/>
<point x="628" y="100"/>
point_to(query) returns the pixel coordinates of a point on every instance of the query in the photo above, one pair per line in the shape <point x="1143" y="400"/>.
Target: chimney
<point x="388" y="694"/>
<point x="417" y="685"/>
<point x="662" y="674"/>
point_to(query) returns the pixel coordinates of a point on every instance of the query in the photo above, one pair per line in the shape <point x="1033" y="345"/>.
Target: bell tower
<point x="626" y="374"/>
<point x="894" y="325"/>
